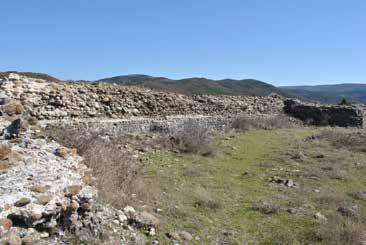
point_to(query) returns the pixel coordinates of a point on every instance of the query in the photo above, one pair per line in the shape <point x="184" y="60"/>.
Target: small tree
<point x="344" y="101"/>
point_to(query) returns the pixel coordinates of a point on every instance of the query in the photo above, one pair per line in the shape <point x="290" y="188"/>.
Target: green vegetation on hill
<point x="330" y="93"/>
<point x="192" y="86"/>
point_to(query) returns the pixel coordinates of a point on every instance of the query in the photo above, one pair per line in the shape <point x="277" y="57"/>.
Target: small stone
<point x="146" y="219"/>
<point x="14" y="239"/>
<point x="74" y="205"/>
<point x="43" y="199"/>
<point x="186" y="236"/>
<point x="320" y="156"/>
<point x="278" y="180"/>
<point x="28" y="240"/>
<point x="73" y="190"/>
<point x="44" y="234"/>
<point x="122" y="218"/>
<point x="152" y="231"/>
<point x="62" y="152"/>
<point x="39" y="188"/>
<point x="174" y="236"/>
<point x="129" y="210"/>
<point x="6" y="223"/>
<point x="320" y="217"/>
<point x="348" y="212"/>
<point x="289" y="183"/>
<point x="86" y="206"/>
<point x="22" y="202"/>
<point x="36" y="216"/>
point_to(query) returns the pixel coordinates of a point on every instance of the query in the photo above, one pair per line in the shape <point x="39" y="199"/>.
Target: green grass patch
<point x="215" y="198"/>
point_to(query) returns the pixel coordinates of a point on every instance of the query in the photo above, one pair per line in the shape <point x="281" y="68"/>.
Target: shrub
<point x="354" y="141"/>
<point x="193" y="140"/>
<point x="266" y="207"/>
<point x="344" y="101"/>
<point x="205" y="200"/>
<point x="4" y="151"/>
<point x="333" y="200"/>
<point x="13" y="107"/>
<point x="341" y="230"/>
<point x="120" y="178"/>
<point x="245" y="122"/>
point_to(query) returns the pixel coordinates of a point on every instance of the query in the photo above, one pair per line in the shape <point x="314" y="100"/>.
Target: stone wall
<point x="146" y="109"/>
<point x="323" y="115"/>
<point x="48" y="100"/>
<point x="164" y="125"/>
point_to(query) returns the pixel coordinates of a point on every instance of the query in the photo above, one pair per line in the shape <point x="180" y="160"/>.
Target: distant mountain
<point x="195" y="85"/>
<point x="330" y="93"/>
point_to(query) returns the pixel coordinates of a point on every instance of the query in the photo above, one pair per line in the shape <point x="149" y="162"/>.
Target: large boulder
<point x="323" y="115"/>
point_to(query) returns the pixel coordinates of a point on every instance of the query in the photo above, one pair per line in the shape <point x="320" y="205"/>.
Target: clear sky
<point x="284" y="42"/>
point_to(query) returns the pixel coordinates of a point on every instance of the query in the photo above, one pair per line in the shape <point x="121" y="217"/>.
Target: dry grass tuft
<point x="333" y="200"/>
<point x="4" y="151"/>
<point x="266" y="207"/>
<point x="193" y="140"/>
<point x="13" y="108"/>
<point x="355" y="141"/>
<point x="120" y="178"/>
<point x="340" y="230"/>
<point x="245" y="122"/>
<point x="206" y="200"/>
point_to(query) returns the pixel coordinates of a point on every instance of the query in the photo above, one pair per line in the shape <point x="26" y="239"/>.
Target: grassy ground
<point x="229" y="198"/>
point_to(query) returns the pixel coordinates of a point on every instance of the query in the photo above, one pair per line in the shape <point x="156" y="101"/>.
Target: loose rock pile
<point x="46" y="196"/>
<point x="48" y="100"/>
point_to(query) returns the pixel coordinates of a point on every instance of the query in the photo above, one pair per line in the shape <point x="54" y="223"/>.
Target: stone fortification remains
<point x="323" y="115"/>
<point x="49" y="101"/>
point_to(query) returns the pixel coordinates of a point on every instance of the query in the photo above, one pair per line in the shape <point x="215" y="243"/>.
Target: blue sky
<point x="284" y="42"/>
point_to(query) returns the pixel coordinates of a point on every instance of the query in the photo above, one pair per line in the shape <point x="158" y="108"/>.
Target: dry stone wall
<point x="323" y="115"/>
<point x="48" y="101"/>
<point x="166" y="125"/>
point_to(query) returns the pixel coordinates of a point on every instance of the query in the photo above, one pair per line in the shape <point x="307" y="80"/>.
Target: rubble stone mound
<point x="45" y="197"/>
<point x="323" y="115"/>
<point x="49" y="100"/>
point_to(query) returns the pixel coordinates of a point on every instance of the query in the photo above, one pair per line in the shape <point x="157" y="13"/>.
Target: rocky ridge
<point x="49" y="100"/>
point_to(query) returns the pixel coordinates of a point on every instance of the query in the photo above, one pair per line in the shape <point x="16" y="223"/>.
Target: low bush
<point x="206" y="200"/>
<point x="246" y="122"/>
<point x="354" y="141"/>
<point x="266" y="207"/>
<point x="4" y="151"/>
<point x="13" y="108"/>
<point x="120" y="178"/>
<point x="342" y="230"/>
<point x="193" y="140"/>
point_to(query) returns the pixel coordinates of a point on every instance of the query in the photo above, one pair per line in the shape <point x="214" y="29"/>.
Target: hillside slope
<point x="330" y="93"/>
<point x="192" y="86"/>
